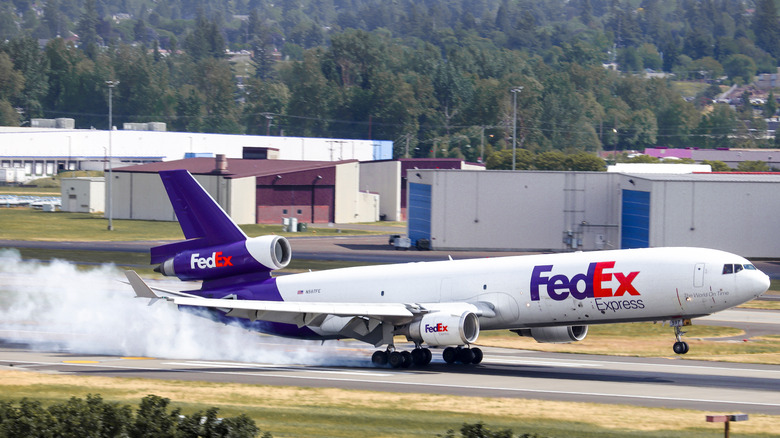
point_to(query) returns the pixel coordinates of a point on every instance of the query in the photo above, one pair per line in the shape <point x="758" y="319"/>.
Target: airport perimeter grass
<point x="324" y="412"/>
<point x="27" y="224"/>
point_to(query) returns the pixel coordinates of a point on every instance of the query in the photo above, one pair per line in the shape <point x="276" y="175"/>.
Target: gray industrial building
<point x="569" y="211"/>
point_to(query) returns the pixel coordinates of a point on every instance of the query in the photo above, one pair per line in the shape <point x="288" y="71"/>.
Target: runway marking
<point x="281" y="368"/>
<point x="136" y="358"/>
<point x="543" y="362"/>
<point x="80" y="361"/>
<point x="421" y="384"/>
<point x="599" y="363"/>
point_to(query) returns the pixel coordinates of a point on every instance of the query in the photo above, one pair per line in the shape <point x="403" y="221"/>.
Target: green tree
<point x="153" y="419"/>
<point x="502" y="160"/>
<point x="770" y="107"/>
<point x="740" y="68"/>
<point x="717" y="165"/>
<point x="550" y="160"/>
<point x="87" y="30"/>
<point x="586" y="162"/>
<point x="29" y="419"/>
<point x="753" y="166"/>
<point x="214" y="81"/>
<point x="766" y="27"/>
<point x="31" y="62"/>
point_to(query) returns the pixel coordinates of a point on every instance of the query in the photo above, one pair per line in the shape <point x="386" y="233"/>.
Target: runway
<point x="656" y="382"/>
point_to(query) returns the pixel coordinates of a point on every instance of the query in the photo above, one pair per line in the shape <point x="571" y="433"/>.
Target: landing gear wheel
<point x="465" y="355"/>
<point x="449" y="354"/>
<point x="680" y="347"/>
<point x="427" y="355"/>
<point x="407" y="357"/>
<point x="379" y="358"/>
<point x="395" y="359"/>
<point x="418" y="356"/>
<point x="477" y="356"/>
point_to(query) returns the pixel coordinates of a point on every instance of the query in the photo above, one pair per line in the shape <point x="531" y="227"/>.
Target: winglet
<point x="142" y="290"/>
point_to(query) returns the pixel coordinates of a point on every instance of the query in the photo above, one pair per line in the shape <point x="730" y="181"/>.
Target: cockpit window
<point x="733" y="269"/>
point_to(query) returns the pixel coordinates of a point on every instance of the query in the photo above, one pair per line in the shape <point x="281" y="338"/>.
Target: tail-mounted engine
<point x="258" y="254"/>
<point x="445" y="328"/>
<point x="555" y="335"/>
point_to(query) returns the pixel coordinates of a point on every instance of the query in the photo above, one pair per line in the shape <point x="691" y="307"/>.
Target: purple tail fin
<point x="202" y="220"/>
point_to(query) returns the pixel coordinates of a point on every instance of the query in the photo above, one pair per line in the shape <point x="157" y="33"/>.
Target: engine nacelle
<point x="555" y="335"/>
<point x="445" y="328"/>
<point x="258" y="254"/>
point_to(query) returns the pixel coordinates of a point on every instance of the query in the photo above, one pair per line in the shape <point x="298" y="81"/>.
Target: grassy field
<point x="27" y="224"/>
<point x="323" y="412"/>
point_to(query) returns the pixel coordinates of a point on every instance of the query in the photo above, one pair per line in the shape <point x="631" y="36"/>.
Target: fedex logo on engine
<point x="217" y="260"/>
<point x="595" y="282"/>
<point x="435" y="328"/>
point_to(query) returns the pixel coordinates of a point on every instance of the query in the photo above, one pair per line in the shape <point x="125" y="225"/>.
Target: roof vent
<point x="221" y="164"/>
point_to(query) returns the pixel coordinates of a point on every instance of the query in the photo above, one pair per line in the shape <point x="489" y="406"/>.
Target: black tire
<point x="418" y="357"/>
<point x="407" y="359"/>
<point x="428" y="355"/>
<point x="450" y="354"/>
<point x="680" y="347"/>
<point x="477" y="356"/>
<point x="395" y="359"/>
<point x="465" y="355"/>
<point x="379" y="358"/>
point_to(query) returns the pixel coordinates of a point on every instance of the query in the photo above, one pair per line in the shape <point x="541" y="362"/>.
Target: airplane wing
<point x="300" y="313"/>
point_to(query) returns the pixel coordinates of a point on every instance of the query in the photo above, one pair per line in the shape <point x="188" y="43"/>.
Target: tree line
<point x="434" y="77"/>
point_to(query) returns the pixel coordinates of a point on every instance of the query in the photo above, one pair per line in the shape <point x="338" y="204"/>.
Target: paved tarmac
<point x="651" y="382"/>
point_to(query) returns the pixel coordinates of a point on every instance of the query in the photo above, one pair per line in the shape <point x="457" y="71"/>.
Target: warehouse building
<point x="569" y="211"/>
<point x="252" y="191"/>
<point x="43" y="152"/>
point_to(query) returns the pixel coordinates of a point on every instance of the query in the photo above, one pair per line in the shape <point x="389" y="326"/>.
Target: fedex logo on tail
<point x="216" y="260"/>
<point x="559" y="287"/>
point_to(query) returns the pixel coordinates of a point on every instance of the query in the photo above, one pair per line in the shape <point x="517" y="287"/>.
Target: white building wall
<point x="384" y="178"/>
<point x="739" y="217"/>
<point x="142" y="196"/>
<point x="507" y="210"/>
<point x="41" y="150"/>
<point x="83" y="195"/>
<point x="347" y="199"/>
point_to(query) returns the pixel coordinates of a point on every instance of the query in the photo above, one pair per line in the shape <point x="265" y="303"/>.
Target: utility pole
<point x="515" y="91"/>
<point x="111" y="85"/>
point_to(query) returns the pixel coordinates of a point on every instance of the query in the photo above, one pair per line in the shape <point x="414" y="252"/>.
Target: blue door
<point x="419" y="212"/>
<point x="635" y="220"/>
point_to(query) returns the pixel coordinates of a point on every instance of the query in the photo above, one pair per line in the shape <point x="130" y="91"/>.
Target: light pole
<point x="111" y="85"/>
<point x="514" y="126"/>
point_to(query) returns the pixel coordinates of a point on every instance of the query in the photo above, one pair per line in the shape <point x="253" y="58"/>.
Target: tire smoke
<point x="59" y="306"/>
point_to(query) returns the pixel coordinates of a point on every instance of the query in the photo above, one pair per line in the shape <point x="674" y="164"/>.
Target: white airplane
<point x="551" y="297"/>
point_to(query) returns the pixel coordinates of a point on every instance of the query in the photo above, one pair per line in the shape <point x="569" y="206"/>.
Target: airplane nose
<point x="761" y="283"/>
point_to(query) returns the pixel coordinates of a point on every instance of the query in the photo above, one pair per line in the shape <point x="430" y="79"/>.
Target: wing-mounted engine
<point x="555" y="335"/>
<point x="258" y="254"/>
<point x="446" y="327"/>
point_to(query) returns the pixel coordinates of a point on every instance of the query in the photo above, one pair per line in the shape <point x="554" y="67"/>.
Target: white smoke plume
<point x="59" y="306"/>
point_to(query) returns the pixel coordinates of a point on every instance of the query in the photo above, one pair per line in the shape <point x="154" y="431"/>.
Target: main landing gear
<point x="402" y="359"/>
<point x="679" y="347"/>
<point x="462" y="355"/>
<point x="422" y="356"/>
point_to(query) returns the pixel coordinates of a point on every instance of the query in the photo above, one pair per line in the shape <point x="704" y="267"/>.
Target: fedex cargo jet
<point x="442" y="304"/>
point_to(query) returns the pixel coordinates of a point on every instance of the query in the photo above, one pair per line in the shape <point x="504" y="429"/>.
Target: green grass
<point x="28" y="224"/>
<point x="320" y="412"/>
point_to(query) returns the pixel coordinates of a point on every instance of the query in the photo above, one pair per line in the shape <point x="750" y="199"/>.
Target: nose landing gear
<point x="679" y="347"/>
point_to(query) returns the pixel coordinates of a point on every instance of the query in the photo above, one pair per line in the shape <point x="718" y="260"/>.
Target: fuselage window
<point x="750" y="267"/>
<point x="728" y="269"/>
<point x="737" y="268"/>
